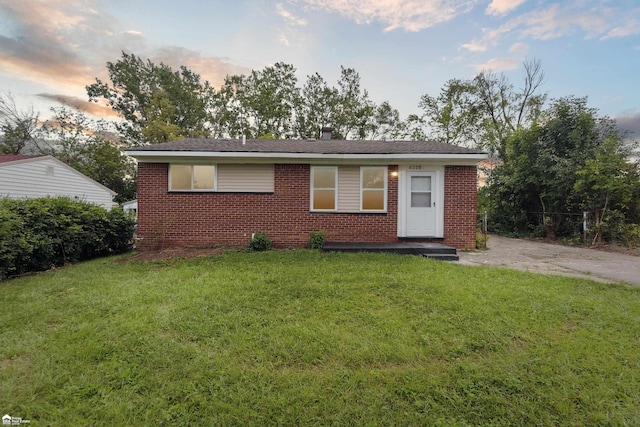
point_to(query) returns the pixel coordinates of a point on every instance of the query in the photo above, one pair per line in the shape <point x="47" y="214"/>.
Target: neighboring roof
<point x="19" y="159"/>
<point x="307" y="146"/>
<point x="289" y="150"/>
<point x="14" y="157"/>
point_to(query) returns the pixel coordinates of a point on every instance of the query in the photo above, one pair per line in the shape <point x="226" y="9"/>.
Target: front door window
<point x="420" y="191"/>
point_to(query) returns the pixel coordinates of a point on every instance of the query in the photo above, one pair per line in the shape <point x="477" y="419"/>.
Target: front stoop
<point x="428" y="250"/>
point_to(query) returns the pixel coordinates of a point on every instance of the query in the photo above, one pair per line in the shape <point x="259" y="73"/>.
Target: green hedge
<point x="37" y="234"/>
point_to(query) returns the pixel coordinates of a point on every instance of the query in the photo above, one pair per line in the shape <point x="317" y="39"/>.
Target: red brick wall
<point x="189" y="219"/>
<point x="460" y="204"/>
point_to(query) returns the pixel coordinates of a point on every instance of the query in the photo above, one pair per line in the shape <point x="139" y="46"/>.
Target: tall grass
<point x="304" y="338"/>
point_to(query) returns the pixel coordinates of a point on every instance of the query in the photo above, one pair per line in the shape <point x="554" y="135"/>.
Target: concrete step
<point x="442" y="257"/>
<point x="430" y="250"/>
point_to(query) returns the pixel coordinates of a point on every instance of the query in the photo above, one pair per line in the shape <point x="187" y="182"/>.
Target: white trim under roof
<point x="167" y="156"/>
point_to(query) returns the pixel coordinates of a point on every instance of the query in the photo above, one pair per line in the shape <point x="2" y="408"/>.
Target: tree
<point x="19" y="127"/>
<point x="454" y="116"/>
<point x="159" y="124"/>
<point x="262" y="103"/>
<point x="413" y="128"/>
<point x="107" y="164"/>
<point x="385" y="123"/>
<point x="486" y="110"/>
<point x="158" y="104"/>
<point x="558" y="166"/>
<point x="317" y="107"/>
<point x="354" y="112"/>
<point x="609" y="185"/>
<point x="133" y="94"/>
<point x="505" y="109"/>
<point x="90" y="147"/>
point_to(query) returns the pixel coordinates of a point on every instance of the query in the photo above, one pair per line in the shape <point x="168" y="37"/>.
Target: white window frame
<point x="335" y="189"/>
<point x="384" y="190"/>
<point x="194" y="190"/>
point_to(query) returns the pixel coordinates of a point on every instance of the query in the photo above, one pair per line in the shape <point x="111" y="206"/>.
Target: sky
<point x="402" y="49"/>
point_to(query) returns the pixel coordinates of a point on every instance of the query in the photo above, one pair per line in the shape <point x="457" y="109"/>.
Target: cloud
<point x="409" y="15"/>
<point x="210" y="68"/>
<point x="502" y="7"/>
<point x="37" y="45"/>
<point x="66" y="44"/>
<point x="80" y="104"/>
<point x="519" y="48"/>
<point x="495" y="65"/>
<point x="289" y="33"/>
<point x="475" y="47"/>
<point x="630" y="121"/>
<point x="627" y="29"/>
<point x="289" y="17"/>
<point x="560" y="20"/>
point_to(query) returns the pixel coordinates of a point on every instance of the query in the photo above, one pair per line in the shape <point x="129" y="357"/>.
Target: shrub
<point x="316" y="239"/>
<point x="260" y="242"/>
<point x="37" y="234"/>
<point x="481" y="240"/>
<point x="628" y="234"/>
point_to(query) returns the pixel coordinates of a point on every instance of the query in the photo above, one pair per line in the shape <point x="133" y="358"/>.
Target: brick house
<point x="203" y="191"/>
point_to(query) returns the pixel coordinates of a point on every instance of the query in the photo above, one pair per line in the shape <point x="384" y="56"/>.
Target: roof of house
<point x="14" y="157"/>
<point x="204" y="145"/>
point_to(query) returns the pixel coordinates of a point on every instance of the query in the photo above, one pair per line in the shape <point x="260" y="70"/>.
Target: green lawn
<point x="305" y="338"/>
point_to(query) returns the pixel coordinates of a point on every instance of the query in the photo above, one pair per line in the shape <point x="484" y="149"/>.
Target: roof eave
<point x="165" y="156"/>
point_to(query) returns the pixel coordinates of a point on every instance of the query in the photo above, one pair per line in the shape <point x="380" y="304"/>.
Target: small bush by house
<point x="260" y="242"/>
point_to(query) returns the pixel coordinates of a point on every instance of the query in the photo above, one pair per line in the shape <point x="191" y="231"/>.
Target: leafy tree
<point x="269" y="102"/>
<point x="86" y="145"/>
<point x="385" y="123"/>
<point x="106" y="163"/>
<point x="133" y="94"/>
<point x="413" y="128"/>
<point x="354" y="112"/>
<point x="454" y="114"/>
<point x="91" y="148"/>
<point x="609" y="185"/>
<point x="261" y="103"/>
<point x="486" y="110"/>
<point x="159" y="126"/>
<point x="317" y="108"/>
<point x="561" y="165"/>
<point x="346" y="109"/>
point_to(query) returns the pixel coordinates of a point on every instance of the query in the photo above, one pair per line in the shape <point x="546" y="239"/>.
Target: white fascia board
<point x="288" y="157"/>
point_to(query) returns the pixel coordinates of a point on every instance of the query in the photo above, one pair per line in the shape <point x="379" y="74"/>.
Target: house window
<point x="192" y="178"/>
<point x="373" y="188"/>
<point x="324" y="194"/>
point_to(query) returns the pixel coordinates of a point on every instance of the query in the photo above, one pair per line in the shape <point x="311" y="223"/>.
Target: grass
<point x="305" y="338"/>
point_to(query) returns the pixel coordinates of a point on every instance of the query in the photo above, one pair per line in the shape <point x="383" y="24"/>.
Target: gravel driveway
<point x="538" y="257"/>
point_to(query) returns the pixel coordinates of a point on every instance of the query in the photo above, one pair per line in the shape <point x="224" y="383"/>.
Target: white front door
<point x="421" y="204"/>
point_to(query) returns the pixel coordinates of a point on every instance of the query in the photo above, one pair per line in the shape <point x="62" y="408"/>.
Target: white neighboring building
<point x="28" y="177"/>
<point x="131" y="208"/>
